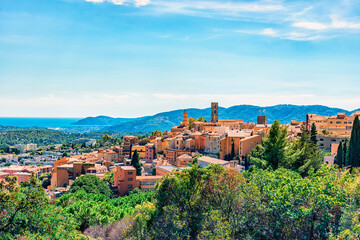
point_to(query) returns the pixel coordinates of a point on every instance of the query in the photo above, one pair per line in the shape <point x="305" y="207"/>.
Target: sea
<point x="52" y="123"/>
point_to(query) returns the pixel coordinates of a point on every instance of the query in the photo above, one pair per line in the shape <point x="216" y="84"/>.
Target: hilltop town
<point x="224" y="142"/>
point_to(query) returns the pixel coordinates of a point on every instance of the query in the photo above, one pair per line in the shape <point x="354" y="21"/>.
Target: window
<point x="145" y="183"/>
<point x="130" y="173"/>
<point x="338" y="122"/>
<point x="130" y="179"/>
<point x="130" y="186"/>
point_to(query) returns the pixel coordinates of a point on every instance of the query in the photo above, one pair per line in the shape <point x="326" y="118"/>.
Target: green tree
<point x="313" y="133"/>
<point x="339" y="159"/>
<point x="194" y="119"/>
<point x="274" y="148"/>
<point x="90" y="184"/>
<point x="20" y="205"/>
<point x="135" y="162"/>
<point x="354" y="145"/>
<point x="109" y="178"/>
<point x="232" y="149"/>
<point x="106" y="138"/>
<point x="303" y="156"/>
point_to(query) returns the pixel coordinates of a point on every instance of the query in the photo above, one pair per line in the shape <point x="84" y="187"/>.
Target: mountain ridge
<point x="165" y="120"/>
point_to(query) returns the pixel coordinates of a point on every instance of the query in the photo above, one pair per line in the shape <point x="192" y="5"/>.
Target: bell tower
<point x="214" y="112"/>
<point x="185" y="119"/>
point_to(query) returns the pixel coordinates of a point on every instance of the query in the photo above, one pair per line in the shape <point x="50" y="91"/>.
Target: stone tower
<point x="214" y="112"/>
<point x="185" y="119"/>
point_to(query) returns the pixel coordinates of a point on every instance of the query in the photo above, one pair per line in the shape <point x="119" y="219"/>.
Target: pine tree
<point x="313" y="133"/>
<point x="135" y="162"/>
<point x="339" y="159"/>
<point x="275" y="145"/>
<point x="354" y="146"/>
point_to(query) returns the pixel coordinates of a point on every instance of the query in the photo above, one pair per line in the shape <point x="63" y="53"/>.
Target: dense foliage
<point x="88" y="209"/>
<point x="215" y="203"/>
<point x="301" y="155"/>
<point x="90" y="184"/>
<point x="38" y="136"/>
<point x="26" y="213"/>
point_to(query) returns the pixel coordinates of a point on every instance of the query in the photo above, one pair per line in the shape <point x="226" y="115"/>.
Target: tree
<point x="274" y="146"/>
<point x="20" y="205"/>
<point x="232" y="149"/>
<point x="197" y="203"/>
<point x="345" y="152"/>
<point x="135" y="162"/>
<point x="193" y="119"/>
<point x="109" y="178"/>
<point x="313" y="133"/>
<point x="106" y="138"/>
<point x="303" y="156"/>
<point x="339" y="159"/>
<point x="90" y="184"/>
<point x="354" y="145"/>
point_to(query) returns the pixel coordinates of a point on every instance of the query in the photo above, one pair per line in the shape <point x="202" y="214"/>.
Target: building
<point x="183" y="160"/>
<point x="214" y="112"/>
<point x="114" y="154"/>
<point x="184" y="125"/>
<point x="247" y="144"/>
<point x="328" y="142"/>
<point x="31" y="147"/>
<point x="341" y="124"/>
<point x="205" y="161"/>
<point x="21" y="147"/>
<point x="262" y="119"/>
<point x="66" y="170"/>
<point x="125" y="180"/>
<point x="140" y="149"/>
<point x="212" y="143"/>
<point x="150" y="152"/>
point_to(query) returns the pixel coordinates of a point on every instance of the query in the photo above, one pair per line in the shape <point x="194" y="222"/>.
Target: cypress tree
<point x="232" y="149"/>
<point x="135" y="162"/>
<point x="339" y="159"/>
<point x="354" y="146"/>
<point x="313" y="134"/>
<point x="345" y="151"/>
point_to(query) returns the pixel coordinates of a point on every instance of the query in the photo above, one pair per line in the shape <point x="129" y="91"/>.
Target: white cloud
<point x="137" y="3"/>
<point x="95" y="1"/>
<point x="310" y="25"/>
<point x="140" y="3"/>
<point x="117" y="2"/>
<point x="336" y="23"/>
<point x="269" y="32"/>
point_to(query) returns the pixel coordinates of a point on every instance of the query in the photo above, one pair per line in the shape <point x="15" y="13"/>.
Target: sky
<point x="130" y="58"/>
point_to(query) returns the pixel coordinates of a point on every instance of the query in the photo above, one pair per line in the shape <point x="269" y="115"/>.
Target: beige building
<point x="341" y="124"/>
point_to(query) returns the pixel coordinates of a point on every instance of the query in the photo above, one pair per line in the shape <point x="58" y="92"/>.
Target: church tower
<point x="185" y="119"/>
<point x="214" y="112"/>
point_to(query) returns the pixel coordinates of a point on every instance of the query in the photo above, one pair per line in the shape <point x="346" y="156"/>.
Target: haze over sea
<point x="38" y="122"/>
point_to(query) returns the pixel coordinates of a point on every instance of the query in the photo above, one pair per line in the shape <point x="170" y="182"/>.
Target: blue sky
<point x="127" y="58"/>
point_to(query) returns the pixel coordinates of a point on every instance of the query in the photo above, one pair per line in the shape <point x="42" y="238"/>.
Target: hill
<point x="165" y="120"/>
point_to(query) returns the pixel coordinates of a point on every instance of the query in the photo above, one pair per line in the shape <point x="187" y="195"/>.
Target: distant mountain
<point x="166" y="120"/>
<point x="103" y="121"/>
